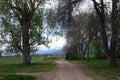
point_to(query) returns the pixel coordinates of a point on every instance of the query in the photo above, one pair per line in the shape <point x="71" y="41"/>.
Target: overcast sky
<point x="57" y="44"/>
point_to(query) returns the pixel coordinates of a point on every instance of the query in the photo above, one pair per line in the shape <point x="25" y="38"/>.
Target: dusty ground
<point x="63" y="71"/>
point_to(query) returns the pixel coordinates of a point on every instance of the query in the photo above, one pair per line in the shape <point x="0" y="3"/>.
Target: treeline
<point x="93" y="31"/>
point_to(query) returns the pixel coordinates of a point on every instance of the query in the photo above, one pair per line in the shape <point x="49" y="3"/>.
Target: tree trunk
<point x="83" y="54"/>
<point x="78" y="51"/>
<point x="112" y="56"/>
<point x="25" y="24"/>
<point x="88" y="54"/>
<point x="26" y="45"/>
<point x="111" y="59"/>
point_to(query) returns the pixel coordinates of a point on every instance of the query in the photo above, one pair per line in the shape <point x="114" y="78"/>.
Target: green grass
<point x="101" y="67"/>
<point x="14" y="65"/>
<point x="17" y="77"/>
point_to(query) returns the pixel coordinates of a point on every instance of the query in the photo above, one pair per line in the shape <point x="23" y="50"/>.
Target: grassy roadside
<point x="100" y="70"/>
<point x="17" y="77"/>
<point x="14" y="65"/>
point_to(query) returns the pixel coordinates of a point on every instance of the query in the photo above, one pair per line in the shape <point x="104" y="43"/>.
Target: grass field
<point x="17" y="77"/>
<point x="101" y="68"/>
<point x="14" y="65"/>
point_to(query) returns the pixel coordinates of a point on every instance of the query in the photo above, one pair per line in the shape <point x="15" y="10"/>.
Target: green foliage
<point x="96" y="47"/>
<point x="3" y="6"/>
<point x="71" y="56"/>
<point x="18" y="77"/>
<point x="37" y="30"/>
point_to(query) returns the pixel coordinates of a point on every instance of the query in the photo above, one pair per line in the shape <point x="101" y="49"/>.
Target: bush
<point x="71" y="56"/>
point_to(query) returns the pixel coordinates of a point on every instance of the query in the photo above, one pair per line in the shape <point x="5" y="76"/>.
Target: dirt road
<point x="63" y="71"/>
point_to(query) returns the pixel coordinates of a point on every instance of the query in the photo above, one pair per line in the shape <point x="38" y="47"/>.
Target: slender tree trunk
<point x="88" y="55"/>
<point x="84" y="53"/>
<point x="78" y="51"/>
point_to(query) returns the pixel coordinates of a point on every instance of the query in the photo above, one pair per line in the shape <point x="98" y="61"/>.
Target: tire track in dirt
<point x="63" y="71"/>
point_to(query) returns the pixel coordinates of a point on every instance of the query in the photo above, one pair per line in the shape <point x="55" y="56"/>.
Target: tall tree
<point x="110" y="50"/>
<point x="23" y="12"/>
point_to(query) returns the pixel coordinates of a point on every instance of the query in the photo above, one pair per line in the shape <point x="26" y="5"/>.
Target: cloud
<point x="57" y="42"/>
<point x="51" y="4"/>
<point x="56" y="46"/>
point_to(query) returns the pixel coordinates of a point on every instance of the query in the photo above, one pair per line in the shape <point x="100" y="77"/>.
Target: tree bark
<point x="111" y="59"/>
<point x="25" y="24"/>
<point x="112" y="56"/>
<point x="26" y="45"/>
<point x="78" y="51"/>
<point x="88" y="55"/>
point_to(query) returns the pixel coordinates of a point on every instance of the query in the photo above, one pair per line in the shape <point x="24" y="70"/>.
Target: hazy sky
<point x="57" y="42"/>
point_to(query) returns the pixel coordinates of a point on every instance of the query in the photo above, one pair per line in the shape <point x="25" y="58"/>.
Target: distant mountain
<point x="51" y="51"/>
